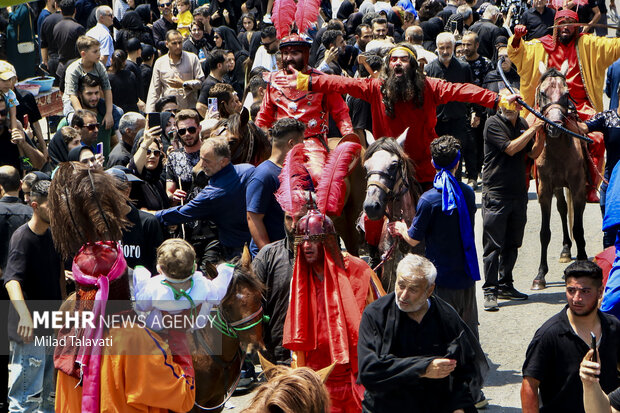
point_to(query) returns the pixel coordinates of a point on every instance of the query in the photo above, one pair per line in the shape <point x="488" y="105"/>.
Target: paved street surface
<point x="505" y="334"/>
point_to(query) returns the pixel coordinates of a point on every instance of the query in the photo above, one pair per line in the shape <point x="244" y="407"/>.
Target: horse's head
<point x="553" y="97"/>
<point x="241" y="310"/>
<point x="386" y="175"/>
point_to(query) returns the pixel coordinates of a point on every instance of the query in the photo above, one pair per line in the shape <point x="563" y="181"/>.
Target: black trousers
<point x="460" y="130"/>
<point x="503" y="223"/>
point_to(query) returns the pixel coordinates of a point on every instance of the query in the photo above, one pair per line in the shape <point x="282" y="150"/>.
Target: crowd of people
<point x="191" y="129"/>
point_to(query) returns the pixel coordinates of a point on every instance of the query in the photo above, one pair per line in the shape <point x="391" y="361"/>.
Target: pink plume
<point x="558" y="4"/>
<point x="581" y="2"/>
<point x="331" y="190"/>
<point x="293" y="181"/>
<point x="316" y="156"/>
<point x="283" y="16"/>
<point x="307" y="14"/>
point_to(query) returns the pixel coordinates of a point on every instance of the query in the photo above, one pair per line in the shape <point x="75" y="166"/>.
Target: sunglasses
<point x="155" y="152"/>
<point x="164" y="5"/>
<point x="268" y="44"/>
<point x="92" y="126"/>
<point x="216" y="37"/>
<point x="183" y="131"/>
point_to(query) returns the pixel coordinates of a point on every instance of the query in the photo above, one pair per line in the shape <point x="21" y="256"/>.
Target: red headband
<point x="566" y="14"/>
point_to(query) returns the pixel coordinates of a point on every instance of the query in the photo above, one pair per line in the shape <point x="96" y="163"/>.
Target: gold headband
<point x="402" y="49"/>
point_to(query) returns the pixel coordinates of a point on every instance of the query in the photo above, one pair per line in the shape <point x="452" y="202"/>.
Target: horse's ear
<point x="542" y="68"/>
<point x="402" y="137"/>
<point x="325" y="372"/>
<point x="245" y="117"/>
<point x="266" y="365"/>
<point x="246" y="258"/>
<point x="564" y="67"/>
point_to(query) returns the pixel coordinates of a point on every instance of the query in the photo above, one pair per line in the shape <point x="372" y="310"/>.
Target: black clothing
<point x="493" y="81"/>
<point x="57" y="150"/>
<point x="119" y="155"/>
<point x="614" y="399"/>
<point x="217" y="6"/>
<point x="586" y="12"/>
<point x="192" y="46"/>
<point x="133" y="26"/>
<point x="151" y="193"/>
<point x="208" y="83"/>
<point x="135" y="69"/>
<point x="431" y="28"/>
<point x="251" y="45"/>
<point x="141" y="240"/>
<point x="83" y="9"/>
<point x="393" y="351"/>
<point x="273" y="265"/>
<point x="487" y="33"/>
<point x="27" y="106"/>
<point x="361" y="115"/>
<point x="160" y="28"/>
<point x="555" y="353"/>
<point x="504" y="175"/>
<point x="65" y="34"/>
<point x="13" y="214"/>
<point x="35" y="264"/>
<point x="47" y="40"/>
<point x="147" y="73"/>
<point x="9" y="153"/>
<point x="124" y="90"/>
<point x="538" y="24"/>
<point x="316" y="45"/>
<point x="479" y="69"/>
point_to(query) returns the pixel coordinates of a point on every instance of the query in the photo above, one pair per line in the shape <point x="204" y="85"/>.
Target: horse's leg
<point x="562" y="206"/>
<point x="579" y="204"/>
<point x="544" y="199"/>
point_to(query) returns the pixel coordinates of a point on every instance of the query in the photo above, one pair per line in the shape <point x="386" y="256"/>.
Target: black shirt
<point x="538" y="24"/>
<point x="361" y="116"/>
<point x="124" y="90"/>
<point x="141" y="240"/>
<point x="614" y="399"/>
<point x="554" y="355"/>
<point x="273" y="265"/>
<point x="147" y="73"/>
<point x="119" y="155"/>
<point x="209" y="82"/>
<point x="66" y="33"/>
<point x="586" y="12"/>
<point x="47" y="34"/>
<point x="479" y="69"/>
<point x="35" y="264"/>
<point x="487" y="33"/>
<point x="13" y="214"/>
<point x="135" y="69"/>
<point x="160" y="28"/>
<point x="456" y="72"/>
<point x="502" y="174"/>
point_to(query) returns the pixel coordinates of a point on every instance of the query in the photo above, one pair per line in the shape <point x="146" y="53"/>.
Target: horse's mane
<point x="87" y="207"/>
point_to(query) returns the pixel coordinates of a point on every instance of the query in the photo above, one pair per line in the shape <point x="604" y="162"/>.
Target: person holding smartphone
<point x="594" y="398"/>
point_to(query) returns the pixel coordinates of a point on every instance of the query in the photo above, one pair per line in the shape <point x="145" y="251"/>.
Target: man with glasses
<point x="266" y="53"/>
<point x="163" y="25"/>
<point x="101" y="32"/>
<point x="177" y="73"/>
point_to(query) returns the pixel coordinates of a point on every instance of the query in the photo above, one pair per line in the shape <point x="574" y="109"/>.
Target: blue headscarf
<point x="451" y="199"/>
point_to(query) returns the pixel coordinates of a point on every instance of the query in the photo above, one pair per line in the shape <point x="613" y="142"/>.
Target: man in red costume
<point x="311" y="108"/>
<point x="402" y="97"/>
<point x="588" y="57"/>
<point x="329" y="291"/>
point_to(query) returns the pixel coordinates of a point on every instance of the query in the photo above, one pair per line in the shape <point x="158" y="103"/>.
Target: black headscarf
<point x="132" y="21"/>
<point x="229" y="38"/>
<point x="144" y="11"/>
<point x="74" y="154"/>
<point x="346" y="9"/>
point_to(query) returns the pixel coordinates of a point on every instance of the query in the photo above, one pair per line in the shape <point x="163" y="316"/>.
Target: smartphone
<point x="453" y="26"/>
<point x="593" y="347"/>
<point x="154" y="119"/>
<point x="99" y="148"/>
<point x="212" y="105"/>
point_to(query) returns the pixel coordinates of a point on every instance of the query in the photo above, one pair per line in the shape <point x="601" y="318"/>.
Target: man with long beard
<point x="402" y="97"/>
<point x="588" y="57"/>
<point x="309" y="107"/>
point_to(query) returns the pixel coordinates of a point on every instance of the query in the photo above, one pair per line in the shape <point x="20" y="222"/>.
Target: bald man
<point x="415" y="36"/>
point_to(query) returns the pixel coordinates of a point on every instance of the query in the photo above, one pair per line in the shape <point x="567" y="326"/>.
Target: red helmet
<point x="314" y="225"/>
<point x="296" y="40"/>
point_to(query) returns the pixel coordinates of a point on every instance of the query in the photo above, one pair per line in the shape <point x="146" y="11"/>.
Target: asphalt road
<point x="505" y="334"/>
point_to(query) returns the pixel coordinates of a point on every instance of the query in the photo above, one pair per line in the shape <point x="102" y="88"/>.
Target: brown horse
<point x="560" y="165"/>
<point x="391" y="191"/>
<point x="248" y="143"/>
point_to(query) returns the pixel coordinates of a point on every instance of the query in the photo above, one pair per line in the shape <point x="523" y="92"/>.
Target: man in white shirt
<point x="266" y="53"/>
<point x="101" y="32"/>
<point x="415" y="36"/>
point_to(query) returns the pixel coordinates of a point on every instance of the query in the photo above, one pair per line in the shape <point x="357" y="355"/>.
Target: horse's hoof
<point x="565" y="258"/>
<point x="539" y="285"/>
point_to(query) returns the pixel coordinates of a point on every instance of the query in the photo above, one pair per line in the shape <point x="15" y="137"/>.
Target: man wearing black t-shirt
<point x="550" y="370"/>
<point x="33" y="272"/>
<point x="217" y="70"/>
<point x="507" y="139"/>
<point x="538" y="19"/>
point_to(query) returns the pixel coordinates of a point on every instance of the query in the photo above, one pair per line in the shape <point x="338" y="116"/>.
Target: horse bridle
<point x="390" y="191"/>
<point x="230" y="329"/>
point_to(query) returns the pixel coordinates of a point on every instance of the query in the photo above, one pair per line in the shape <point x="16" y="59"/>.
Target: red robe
<point x="420" y="121"/>
<point x="311" y="108"/>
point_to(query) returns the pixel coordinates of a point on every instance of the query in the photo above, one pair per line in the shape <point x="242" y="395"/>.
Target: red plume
<point x="293" y="181"/>
<point x="283" y="16"/>
<point x="331" y="190"/>
<point x="307" y="14"/>
<point x="316" y="157"/>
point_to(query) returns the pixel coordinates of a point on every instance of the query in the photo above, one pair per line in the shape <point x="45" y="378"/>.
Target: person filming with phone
<point x="594" y="398"/>
<point x="553" y="358"/>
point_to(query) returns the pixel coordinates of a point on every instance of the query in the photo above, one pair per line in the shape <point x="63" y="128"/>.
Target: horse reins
<point x="534" y="111"/>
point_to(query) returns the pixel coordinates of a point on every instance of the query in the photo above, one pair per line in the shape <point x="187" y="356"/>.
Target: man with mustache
<point x="402" y="97"/>
<point x="309" y="107"/>
<point x="588" y="57"/>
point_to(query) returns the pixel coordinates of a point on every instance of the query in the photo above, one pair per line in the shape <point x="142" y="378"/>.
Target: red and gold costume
<point x="588" y="57"/>
<point x="420" y="121"/>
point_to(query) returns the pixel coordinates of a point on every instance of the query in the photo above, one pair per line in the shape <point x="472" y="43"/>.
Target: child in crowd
<point x="89" y="49"/>
<point x="184" y="19"/>
<point x="178" y="287"/>
<point x="8" y="77"/>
